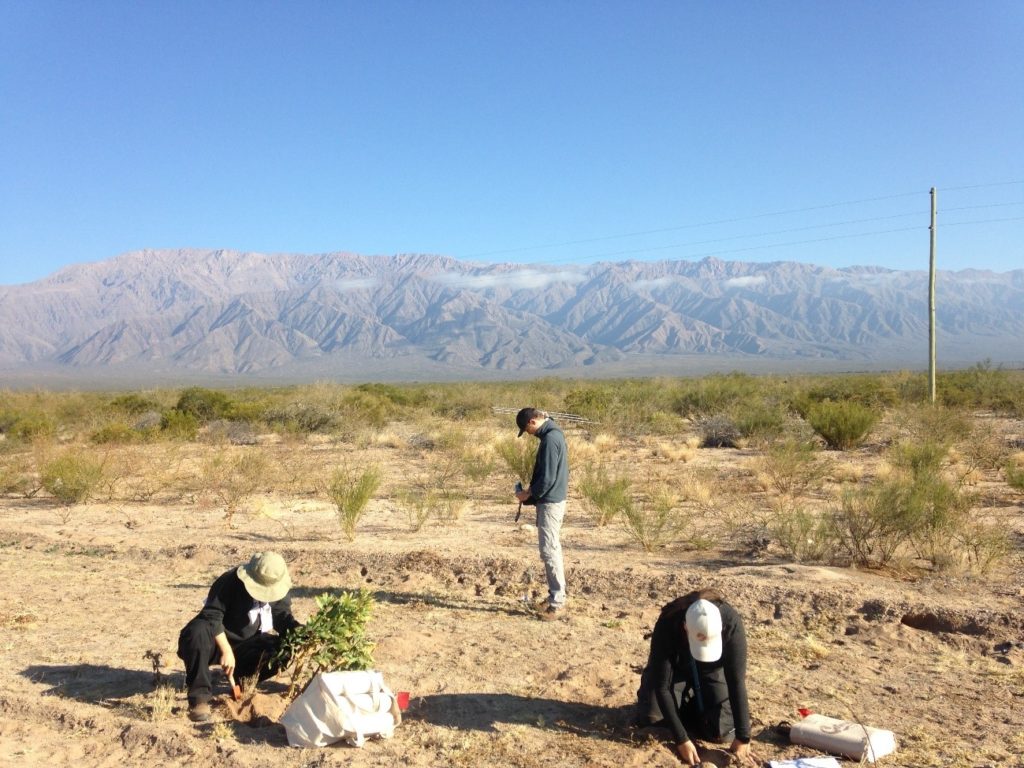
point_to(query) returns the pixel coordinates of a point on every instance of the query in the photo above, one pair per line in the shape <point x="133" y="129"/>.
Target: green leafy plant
<point x="842" y="425"/>
<point x="351" y="490"/>
<point x="73" y="477"/>
<point x="334" y="639"/>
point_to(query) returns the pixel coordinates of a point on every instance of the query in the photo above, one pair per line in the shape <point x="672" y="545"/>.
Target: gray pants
<point x="549" y="525"/>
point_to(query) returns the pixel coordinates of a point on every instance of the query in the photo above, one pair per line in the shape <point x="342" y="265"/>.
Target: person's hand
<point x="687" y="752"/>
<point x="523" y="495"/>
<point x="743" y="754"/>
<point x="227" y="661"/>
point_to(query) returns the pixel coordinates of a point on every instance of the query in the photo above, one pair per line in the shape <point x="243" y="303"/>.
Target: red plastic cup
<point x="402" y="697"/>
<point x="805" y="712"/>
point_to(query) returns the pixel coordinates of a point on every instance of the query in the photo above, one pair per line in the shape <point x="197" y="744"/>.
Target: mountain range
<point x="228" y="313"/>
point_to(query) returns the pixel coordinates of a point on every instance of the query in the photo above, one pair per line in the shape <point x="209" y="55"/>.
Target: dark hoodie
<point x="550" y="481"/>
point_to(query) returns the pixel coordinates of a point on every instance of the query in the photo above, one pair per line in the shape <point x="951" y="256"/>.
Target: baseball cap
<point x="704" y="630"/>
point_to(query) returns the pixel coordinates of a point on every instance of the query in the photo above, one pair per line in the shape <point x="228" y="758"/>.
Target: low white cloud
<point x="525" y="278"/>
<point x="653" y="283"/>
<point x="356" y="283"/>
<point x="747" y="281"/>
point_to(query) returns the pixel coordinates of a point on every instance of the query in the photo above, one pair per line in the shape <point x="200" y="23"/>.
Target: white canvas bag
<point x="342" y="705"/>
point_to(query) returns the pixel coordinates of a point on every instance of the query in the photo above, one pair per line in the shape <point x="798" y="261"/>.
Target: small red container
<point x="402" y="697"/>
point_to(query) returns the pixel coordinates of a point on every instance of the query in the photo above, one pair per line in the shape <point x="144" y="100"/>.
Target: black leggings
<point x="196" y="647"/>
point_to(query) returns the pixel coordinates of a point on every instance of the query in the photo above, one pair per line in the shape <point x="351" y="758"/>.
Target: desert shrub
<point x="718" y="431"/>
<point x="178" y="425"/>
<point x="115" y="433"/>
<point x="870" y="524"/>
<point x="792" y="466"/>
<point x="716" y="394"/>
<point x="802" y="534"/>
<point x="26" y="425"/>
<point x="594" y="402"/>
<point x="360" y="408"/>
<point x="16" y="475"/>
<point x="519" y="455"/>
<point x="204" y="404"/>
<point x="230" y="479"/>
<point x="221" y="431"/>
<point x="73" y="477"/>
<point x="351" y="490"/>
<point x="400" y="396"/>
<point x="303" y="418"/>
<point x="133" y="404"/>
<point x="606" y="495"/>
<point x="477" y="464"/>
<point x="982" y="387"/>
<point x="758" y="419"/>
<point x="1014" y="472"/>
<point x="333" y="639"/>
<point x="869" y="391"/>
<point x="934" y="423"/>
<point x="656" y="520"/>
<point x="842" y="425"/>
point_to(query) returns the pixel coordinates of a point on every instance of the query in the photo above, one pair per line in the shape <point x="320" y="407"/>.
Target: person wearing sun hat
<point x="695" y="680"/>
<point x="241" y="626"/>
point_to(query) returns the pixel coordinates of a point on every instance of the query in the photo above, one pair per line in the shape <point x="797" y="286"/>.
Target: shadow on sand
<point x="97" y="683"/>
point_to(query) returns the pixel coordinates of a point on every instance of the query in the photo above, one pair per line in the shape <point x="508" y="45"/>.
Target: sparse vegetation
<point x="72" y="477"/>
<point x="351" y="490"/>
<point x="842" y="425"/>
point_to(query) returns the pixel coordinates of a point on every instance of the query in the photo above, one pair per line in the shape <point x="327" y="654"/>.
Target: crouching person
<point x="241" y="627"/>
<point x="695" y="680"/>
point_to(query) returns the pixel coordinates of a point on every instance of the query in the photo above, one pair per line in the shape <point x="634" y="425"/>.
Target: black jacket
<point x="550" y="481"/>
<point x="228" y="605"/>
<point x="671" y="660"/>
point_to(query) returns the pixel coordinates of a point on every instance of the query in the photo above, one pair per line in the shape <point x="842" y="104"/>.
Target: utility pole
<point x="931" y="305"/>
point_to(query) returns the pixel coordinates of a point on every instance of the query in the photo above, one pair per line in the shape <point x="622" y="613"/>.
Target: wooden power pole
<point x="931" y="305"/>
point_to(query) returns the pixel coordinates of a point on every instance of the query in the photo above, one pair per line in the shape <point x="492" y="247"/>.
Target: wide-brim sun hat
<point x="265" y="577"/>
<point x="704" y="630"/>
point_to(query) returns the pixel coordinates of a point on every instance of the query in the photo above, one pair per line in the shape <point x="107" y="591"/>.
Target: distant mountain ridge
<point x="226" y="312"/>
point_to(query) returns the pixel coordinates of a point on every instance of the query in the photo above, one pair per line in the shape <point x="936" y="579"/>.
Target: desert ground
<point x="95" y="594"/>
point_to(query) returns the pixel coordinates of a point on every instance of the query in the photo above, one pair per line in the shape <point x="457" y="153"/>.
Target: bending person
<point x="695" y="680"/>
<point x="245" y="607"/>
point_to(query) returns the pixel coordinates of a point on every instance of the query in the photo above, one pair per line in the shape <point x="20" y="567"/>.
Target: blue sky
<point x="535" y="132"/>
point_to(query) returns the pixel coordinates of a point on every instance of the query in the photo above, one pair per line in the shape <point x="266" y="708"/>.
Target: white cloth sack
<point x="342" y="705"/>
<point x="842" y="737"/>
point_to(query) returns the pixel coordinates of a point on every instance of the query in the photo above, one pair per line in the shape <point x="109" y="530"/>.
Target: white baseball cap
<point x="704" y="630"/>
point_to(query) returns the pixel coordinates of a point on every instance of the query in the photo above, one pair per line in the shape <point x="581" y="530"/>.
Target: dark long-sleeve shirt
<point x="671" y="659"/>
<point x="550" y="481"/>
<point x="228" y="605"/>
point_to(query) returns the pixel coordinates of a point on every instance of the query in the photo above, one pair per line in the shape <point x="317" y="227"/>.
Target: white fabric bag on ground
<point x="342" y="705"/>
<point x="842" y="737"/>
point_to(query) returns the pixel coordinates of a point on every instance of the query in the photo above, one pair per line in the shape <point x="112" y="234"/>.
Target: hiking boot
<point x="200" y="712"/>
<point x="551" y="613"/>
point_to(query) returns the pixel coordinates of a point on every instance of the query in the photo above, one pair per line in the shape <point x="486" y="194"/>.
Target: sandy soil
<point x="938" y="660"/>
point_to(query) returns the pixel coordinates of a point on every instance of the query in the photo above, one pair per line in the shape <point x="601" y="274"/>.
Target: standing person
<point x="695" y="681"/>
<point x="548" y="489"/>
<point x="244" y="607"/>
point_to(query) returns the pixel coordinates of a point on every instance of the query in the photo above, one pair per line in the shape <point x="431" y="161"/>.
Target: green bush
<point x="133" y="404"/>
<point x="519" y="455"/>
<point x="204" y="404"/>
<point x="115" y="433"/>
<point x="26" y="426"/>
<point x="792" y="466"/>
<point x="758" y="419"/>
<point x="351" y="490"/>
<point x="1014" y="475"/>
<point x="178" y="425"/>
<point x="842" y="425"/>
<point x="802" y="534"/>
<point x="72" y="477"/>
<point x="333" y="639"/>
<point x="606" y="495"/>
<point x="656" y="521"/>
<point x="871" y="524"/>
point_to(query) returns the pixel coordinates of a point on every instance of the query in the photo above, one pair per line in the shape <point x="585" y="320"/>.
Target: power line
<point x="695" y="225"/>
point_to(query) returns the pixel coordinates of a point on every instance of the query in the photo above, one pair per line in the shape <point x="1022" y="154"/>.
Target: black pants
<point x="708" y="717"/>
<point x="198" y="650"/>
